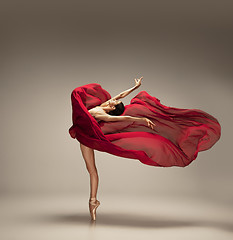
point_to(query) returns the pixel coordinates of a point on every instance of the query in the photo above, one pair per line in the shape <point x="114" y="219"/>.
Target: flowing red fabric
<point x="178" y="136"/>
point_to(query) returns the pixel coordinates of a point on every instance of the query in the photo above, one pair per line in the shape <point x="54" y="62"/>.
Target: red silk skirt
<point x="178" y="136"/>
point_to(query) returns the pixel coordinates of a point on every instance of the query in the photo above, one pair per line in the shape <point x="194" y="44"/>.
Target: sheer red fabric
<point x="178" y="136"/>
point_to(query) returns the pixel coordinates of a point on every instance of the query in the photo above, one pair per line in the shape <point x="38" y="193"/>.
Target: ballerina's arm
<point x="124" y="93"/>
<point x="110" y="118"/>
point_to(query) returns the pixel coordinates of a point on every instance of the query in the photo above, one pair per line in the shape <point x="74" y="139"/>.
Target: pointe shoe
<point x="93" y="204"/>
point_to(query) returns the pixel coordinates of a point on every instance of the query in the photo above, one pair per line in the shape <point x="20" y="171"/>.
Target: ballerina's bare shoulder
<point x="97" y="111"/>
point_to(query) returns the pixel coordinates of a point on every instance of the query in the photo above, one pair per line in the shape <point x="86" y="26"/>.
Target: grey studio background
<point x="183" y="49"/>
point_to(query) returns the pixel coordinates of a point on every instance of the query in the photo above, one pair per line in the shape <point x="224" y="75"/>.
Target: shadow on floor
<point x="131" y="220"/>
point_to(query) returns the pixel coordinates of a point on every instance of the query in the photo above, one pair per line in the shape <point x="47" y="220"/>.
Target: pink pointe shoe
<point x="93" y="204"/>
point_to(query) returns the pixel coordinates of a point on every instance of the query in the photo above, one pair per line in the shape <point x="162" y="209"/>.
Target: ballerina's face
<point x="112" y="103"/>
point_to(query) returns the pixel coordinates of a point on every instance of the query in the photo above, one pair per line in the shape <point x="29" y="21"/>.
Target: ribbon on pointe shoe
<point x="94" y="201"/>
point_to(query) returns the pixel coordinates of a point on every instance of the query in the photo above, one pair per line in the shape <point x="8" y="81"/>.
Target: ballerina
<point x="108" y="111"/>
<point x="155" y="134"/>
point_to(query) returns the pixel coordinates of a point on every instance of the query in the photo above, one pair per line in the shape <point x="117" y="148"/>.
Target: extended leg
<point x="89" y="157"/>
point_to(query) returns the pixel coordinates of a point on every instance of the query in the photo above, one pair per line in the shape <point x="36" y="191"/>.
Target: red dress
<point x="178" y="136"/>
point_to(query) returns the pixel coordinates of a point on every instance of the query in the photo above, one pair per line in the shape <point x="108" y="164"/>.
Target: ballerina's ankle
<point x="92" y="200"/>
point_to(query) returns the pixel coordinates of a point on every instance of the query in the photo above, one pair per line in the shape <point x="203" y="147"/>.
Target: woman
<point x="107" y="112"/>
<point x="155" y="134"/>
<point x="115" y="107"/>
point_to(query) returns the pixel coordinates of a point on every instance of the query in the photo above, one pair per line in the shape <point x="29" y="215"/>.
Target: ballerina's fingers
<point x="151" y="124"/>
<point x="138" y="80"/>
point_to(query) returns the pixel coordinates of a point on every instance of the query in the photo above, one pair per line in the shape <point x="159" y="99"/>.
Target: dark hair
<point x="119" y="109"/>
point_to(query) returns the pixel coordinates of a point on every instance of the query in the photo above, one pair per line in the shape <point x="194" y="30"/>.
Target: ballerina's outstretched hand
<point x="138" y="81"/>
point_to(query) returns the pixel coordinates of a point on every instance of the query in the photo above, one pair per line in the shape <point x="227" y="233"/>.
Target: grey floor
<point x="118" y="217"/>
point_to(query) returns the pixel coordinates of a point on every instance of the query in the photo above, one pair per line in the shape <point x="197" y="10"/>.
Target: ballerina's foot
<point x="93" y="205"/>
